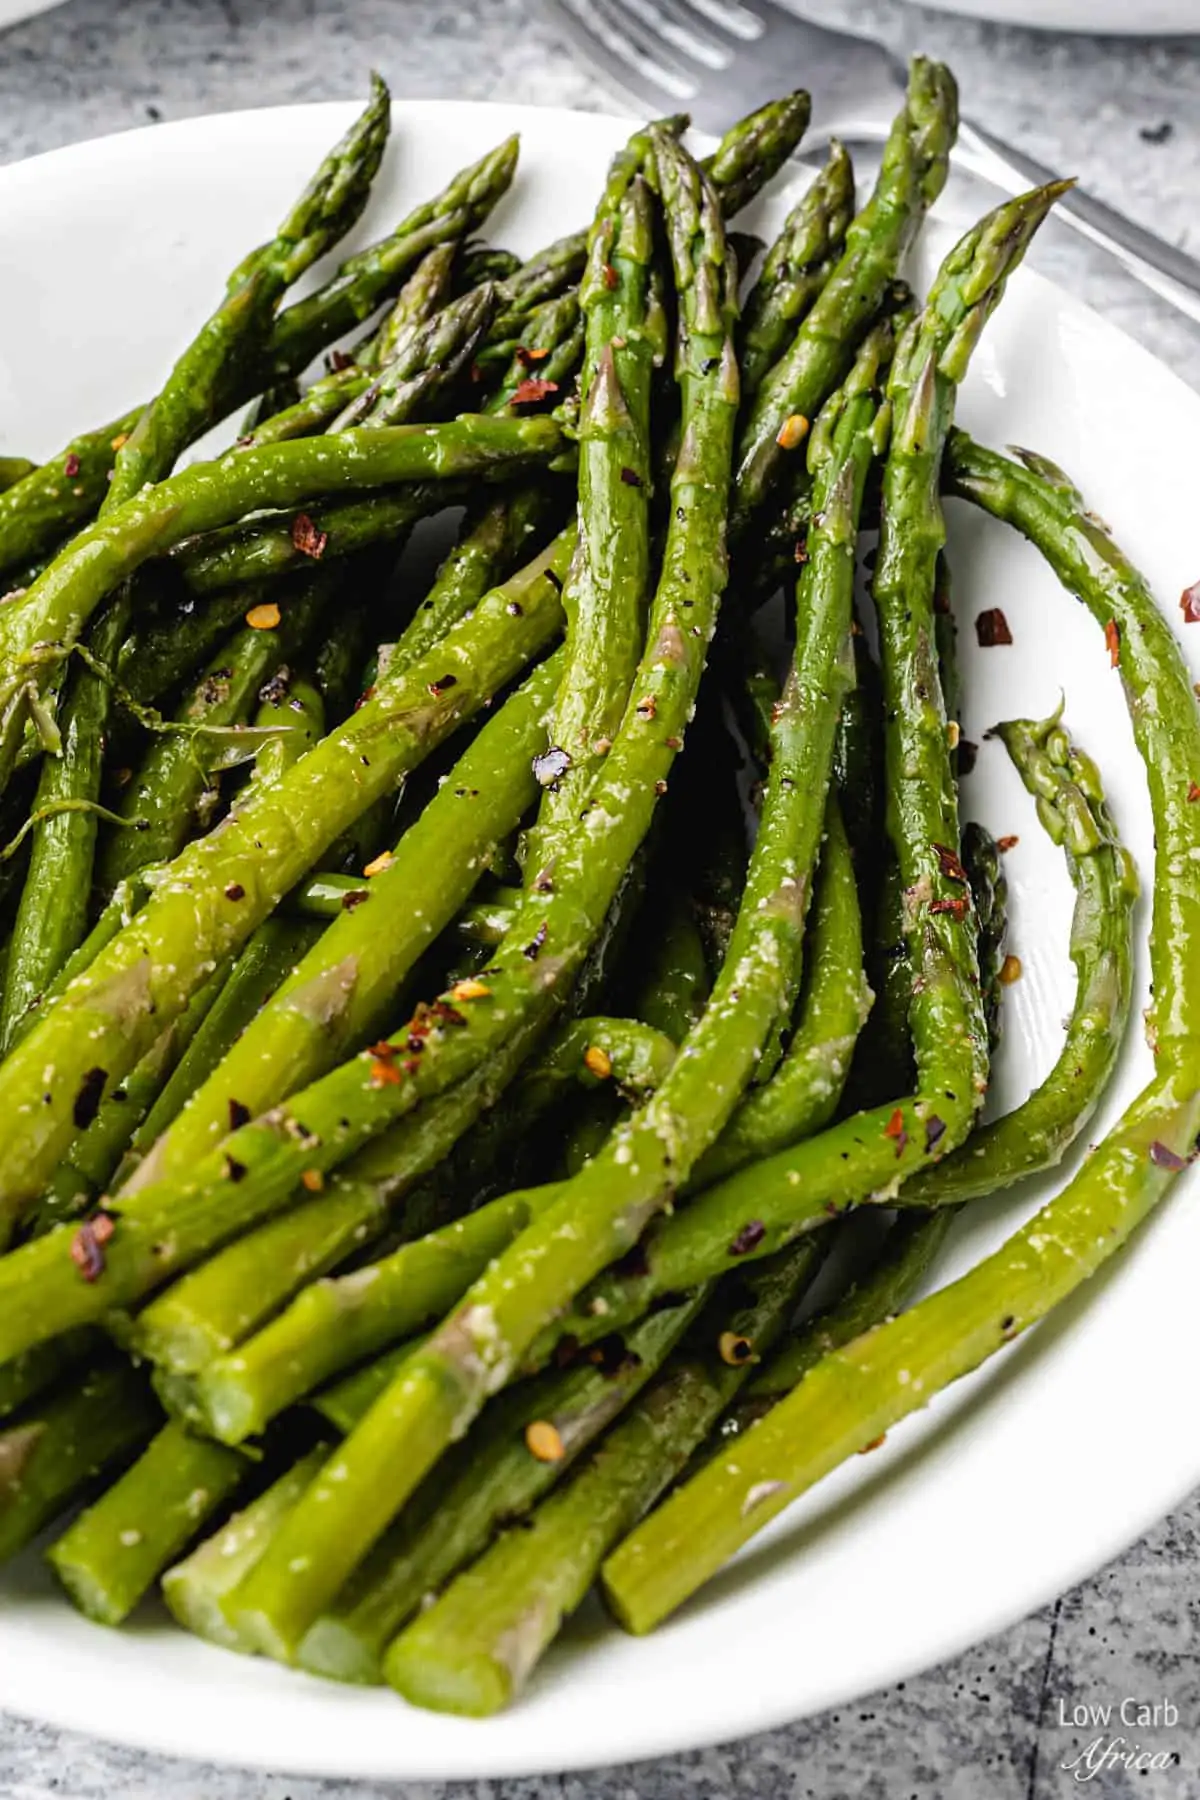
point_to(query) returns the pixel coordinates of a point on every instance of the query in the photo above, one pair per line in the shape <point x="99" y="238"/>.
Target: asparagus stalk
<point x="51" y="1455"/>
<point x="753" y="151"/>
<point x="58" y="605"/>
<point x="41" y="510"/>
<point x="196" y="1587"/>
<point x="219" y="890"/>
<point x="804" y="1092"/>
<point x="350" y="976"/>
<point x="268" y="959"/>
<point x="444" y="1384"/>
<point x="869" y="1156"/>
<point x="915" y="162"/>
<point x="609" y="582"/>
<point x="492" y="1480"/>
<point x="110" y="1557"/>
<point x="797" y="266"/>
<point x="989" y="896"/>
<point x="850" y="1397"/>
<point x="162" y="799"/>
<point x="475" y="1648"/>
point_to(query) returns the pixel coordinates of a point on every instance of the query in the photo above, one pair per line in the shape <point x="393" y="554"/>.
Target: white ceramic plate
<point x="1010" y="1488"/>
<point x="1137" y="18"/>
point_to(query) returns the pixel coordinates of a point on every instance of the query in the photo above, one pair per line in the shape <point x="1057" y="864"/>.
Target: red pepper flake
<point x="1163" y="1157"/>
<point x="792" y="432"/>
<point x="951" y="867"/>
<point x="443" y="684"/>
<point x="748" y="1238"/>
<point x="935" y="1131"/>
<point x="991" y="628"/>
<point x="1112" y="642"/>
<point x="534" y="948"/>
<point x="527" y="358"/>
<point x="384" y="1050"/>
<point x="874" y="1444"/>
<point x="239" y="1115"/>
<point x="631" y="478"/>
<point x="550" y="767"/>
<point x="1012" y="840"/>
<point x="1194" y="791"/>
<point x="385" y="1073"/>
<point x="470" y="989"/>
<point x="72" y="466"/>
<point x="307" y="536"/>
<point x="378" y="864"/>
<point x="87" y="1246"/>
<point x="609" y="276"/>
<point x="87" y="1100"/>
<point x="1189" y="604"/>
<point x="800" y="551"/>
<point x="532" y="390"/>
<point x="354" y="898"/>
<point x="444" y="1014"/>
<point x="312" y="1180"/>
<point x="234" y="1169"/>
<point x="895" y="1129"/>
<point x="235" y="891"/>
<point x="339" y="360"/>
<point x="956" y="907"/>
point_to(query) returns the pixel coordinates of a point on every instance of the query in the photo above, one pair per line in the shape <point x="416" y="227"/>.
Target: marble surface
<point x="997" y="1722"/>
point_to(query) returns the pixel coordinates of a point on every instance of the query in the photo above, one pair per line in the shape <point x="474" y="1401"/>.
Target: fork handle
<point x="1169" y="271"/>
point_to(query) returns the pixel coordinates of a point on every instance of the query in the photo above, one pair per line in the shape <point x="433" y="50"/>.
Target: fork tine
<point x="680" y="27"/>
<point x="614" y="58"/>
<point x="740" y="21"/>
<point x="633" y="22"/>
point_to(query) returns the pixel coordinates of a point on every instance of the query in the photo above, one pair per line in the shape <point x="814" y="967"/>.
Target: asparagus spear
<point x="753" y="151"/>
<point x="609" y="581"/>
<point x="329" y="1326"/>
<point x="341" y="988"/>
<point x="803" y="1094"/>
<point x="195" y="1588"/>
<point x="57" y="606"/>
<point x="36" y="1370"/>
<point x="425" y="366"/>
<point x="492" y="1480"/>
<point x="869" y="1385"/>
<point x="227" y="352"/>
<point x="445" y="1383"/>
<point x="109" y="1558"/>
<point x="52" y="912"/>
<point x="869" y="1155"/>
<point x="246" y="555"/>
<point x="219" y="890"/>
<point x="797" y="266"/>
<point x="914" y="171"/>
<point x="989" y="896"/>
<point x="291" y="709"/>
<point x="268" y="959"/>
<point x="45" y="506"/>
<point x="51" y="1455"/>
<point x="161" y="801"/>
<point x="497" y="536"/>
<point x="366" y="279"/>
<point x="475" y="1648"/>
<point x="425" y="292"/>
<point x="40" y="511"/>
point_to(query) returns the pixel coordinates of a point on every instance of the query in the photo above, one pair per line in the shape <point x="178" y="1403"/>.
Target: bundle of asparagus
<point x="426" y="1111"/>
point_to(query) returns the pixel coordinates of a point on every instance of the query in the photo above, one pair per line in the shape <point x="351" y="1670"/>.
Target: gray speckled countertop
<point x="1124" y="114"/>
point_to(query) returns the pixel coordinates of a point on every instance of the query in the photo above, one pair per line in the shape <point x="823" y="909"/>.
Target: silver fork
<point x="717" y="59"/>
